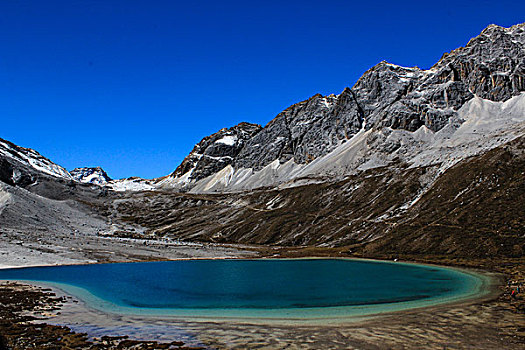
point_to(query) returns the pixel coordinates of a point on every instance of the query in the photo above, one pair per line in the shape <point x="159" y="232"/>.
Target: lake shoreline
<point x="306" y="315"/>
<point x="213" y="333"/>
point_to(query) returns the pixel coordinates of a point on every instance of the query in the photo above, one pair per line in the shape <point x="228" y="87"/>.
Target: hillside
<point x="407" y="161"/>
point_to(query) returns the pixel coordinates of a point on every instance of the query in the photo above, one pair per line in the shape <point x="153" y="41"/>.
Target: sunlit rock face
<point x="490" y="66"/>
<point x="214" y="152"/>
<point x="95" y="175"/>
<point x="387" y="97"/>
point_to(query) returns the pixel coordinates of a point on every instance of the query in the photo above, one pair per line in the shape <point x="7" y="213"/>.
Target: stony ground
<point x="39" y="248"/>
<point x="23" y="311"/>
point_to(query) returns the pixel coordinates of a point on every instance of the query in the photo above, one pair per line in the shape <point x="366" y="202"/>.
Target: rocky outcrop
<point x="216" y="151"/>
<point x="95" y="175"/>
<point x="490" y="66"/>
<point x="13" y="156"/>
<point x="304" y="131"/>
<point x="408" y="98"/>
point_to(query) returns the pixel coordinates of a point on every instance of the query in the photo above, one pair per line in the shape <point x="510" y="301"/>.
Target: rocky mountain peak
<point x="491" y="66"/>
<point x="13" y="156"/>
<point x="214" y="152"/>
<point x="92" y="175"/>
<point x="513" y="30"/>
<point x="387" y="97"/>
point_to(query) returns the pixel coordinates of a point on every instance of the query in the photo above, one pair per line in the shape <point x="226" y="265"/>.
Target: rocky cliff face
<point x="20" y="165"/>
<point x="214" y="152"/>
<point x="95" y="175"/>
<point x="490" y="66"/>
<point x="304" y="131"/>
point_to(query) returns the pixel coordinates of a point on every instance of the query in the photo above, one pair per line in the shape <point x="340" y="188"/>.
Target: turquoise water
<point x="295" y="287"/>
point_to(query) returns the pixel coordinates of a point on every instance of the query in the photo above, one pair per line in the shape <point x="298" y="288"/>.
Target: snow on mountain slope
<point x="131" y="184"/>
<point x="95" y="175"/>
<point x="211" y="154"/>
<point x="32" y="158"/>
<point x="98" y="176"/>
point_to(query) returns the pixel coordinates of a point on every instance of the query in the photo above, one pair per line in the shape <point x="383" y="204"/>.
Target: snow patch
<point x="33" y="159"/>
<point x="131" y="184"/>
<point x="229" y="140"/>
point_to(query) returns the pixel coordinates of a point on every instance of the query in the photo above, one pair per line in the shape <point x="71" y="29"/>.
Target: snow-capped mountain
<point x="19" y="164"/>
<point x="9" y="150"/>
<point x="467" y="103"/>
<point x="392" y="113"/>
<point x="132" y="184"/>
<point x="95" y="175"/>
<point x="98" y="176"/>
<point x="24" y="167"/>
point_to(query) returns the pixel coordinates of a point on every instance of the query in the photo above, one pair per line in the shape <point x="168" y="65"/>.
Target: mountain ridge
<point x="387" y="96"/>
<point x="395" y="165"/>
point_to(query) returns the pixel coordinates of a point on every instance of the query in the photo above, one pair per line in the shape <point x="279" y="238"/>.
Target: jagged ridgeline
<point x="491" y="66"/>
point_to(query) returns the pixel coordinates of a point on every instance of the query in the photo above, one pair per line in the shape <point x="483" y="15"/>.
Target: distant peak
<point x="246" y="126"/>
<point x="93" y="175"/>
<point x="492" y="27"/>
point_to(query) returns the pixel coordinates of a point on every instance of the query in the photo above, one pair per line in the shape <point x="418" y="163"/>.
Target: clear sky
<point x="132" y="85"/>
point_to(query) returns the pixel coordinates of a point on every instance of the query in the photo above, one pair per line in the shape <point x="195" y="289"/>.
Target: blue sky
<point x="132" y="85"/>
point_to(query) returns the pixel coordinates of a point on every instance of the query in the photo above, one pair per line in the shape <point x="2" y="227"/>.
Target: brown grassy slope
<point x="308" y="215"/>
<point x="477" y="208"/>
<point x="474" y="209"/>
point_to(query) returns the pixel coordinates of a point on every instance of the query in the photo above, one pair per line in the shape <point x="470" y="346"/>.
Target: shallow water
<point x="261" y="288"/>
